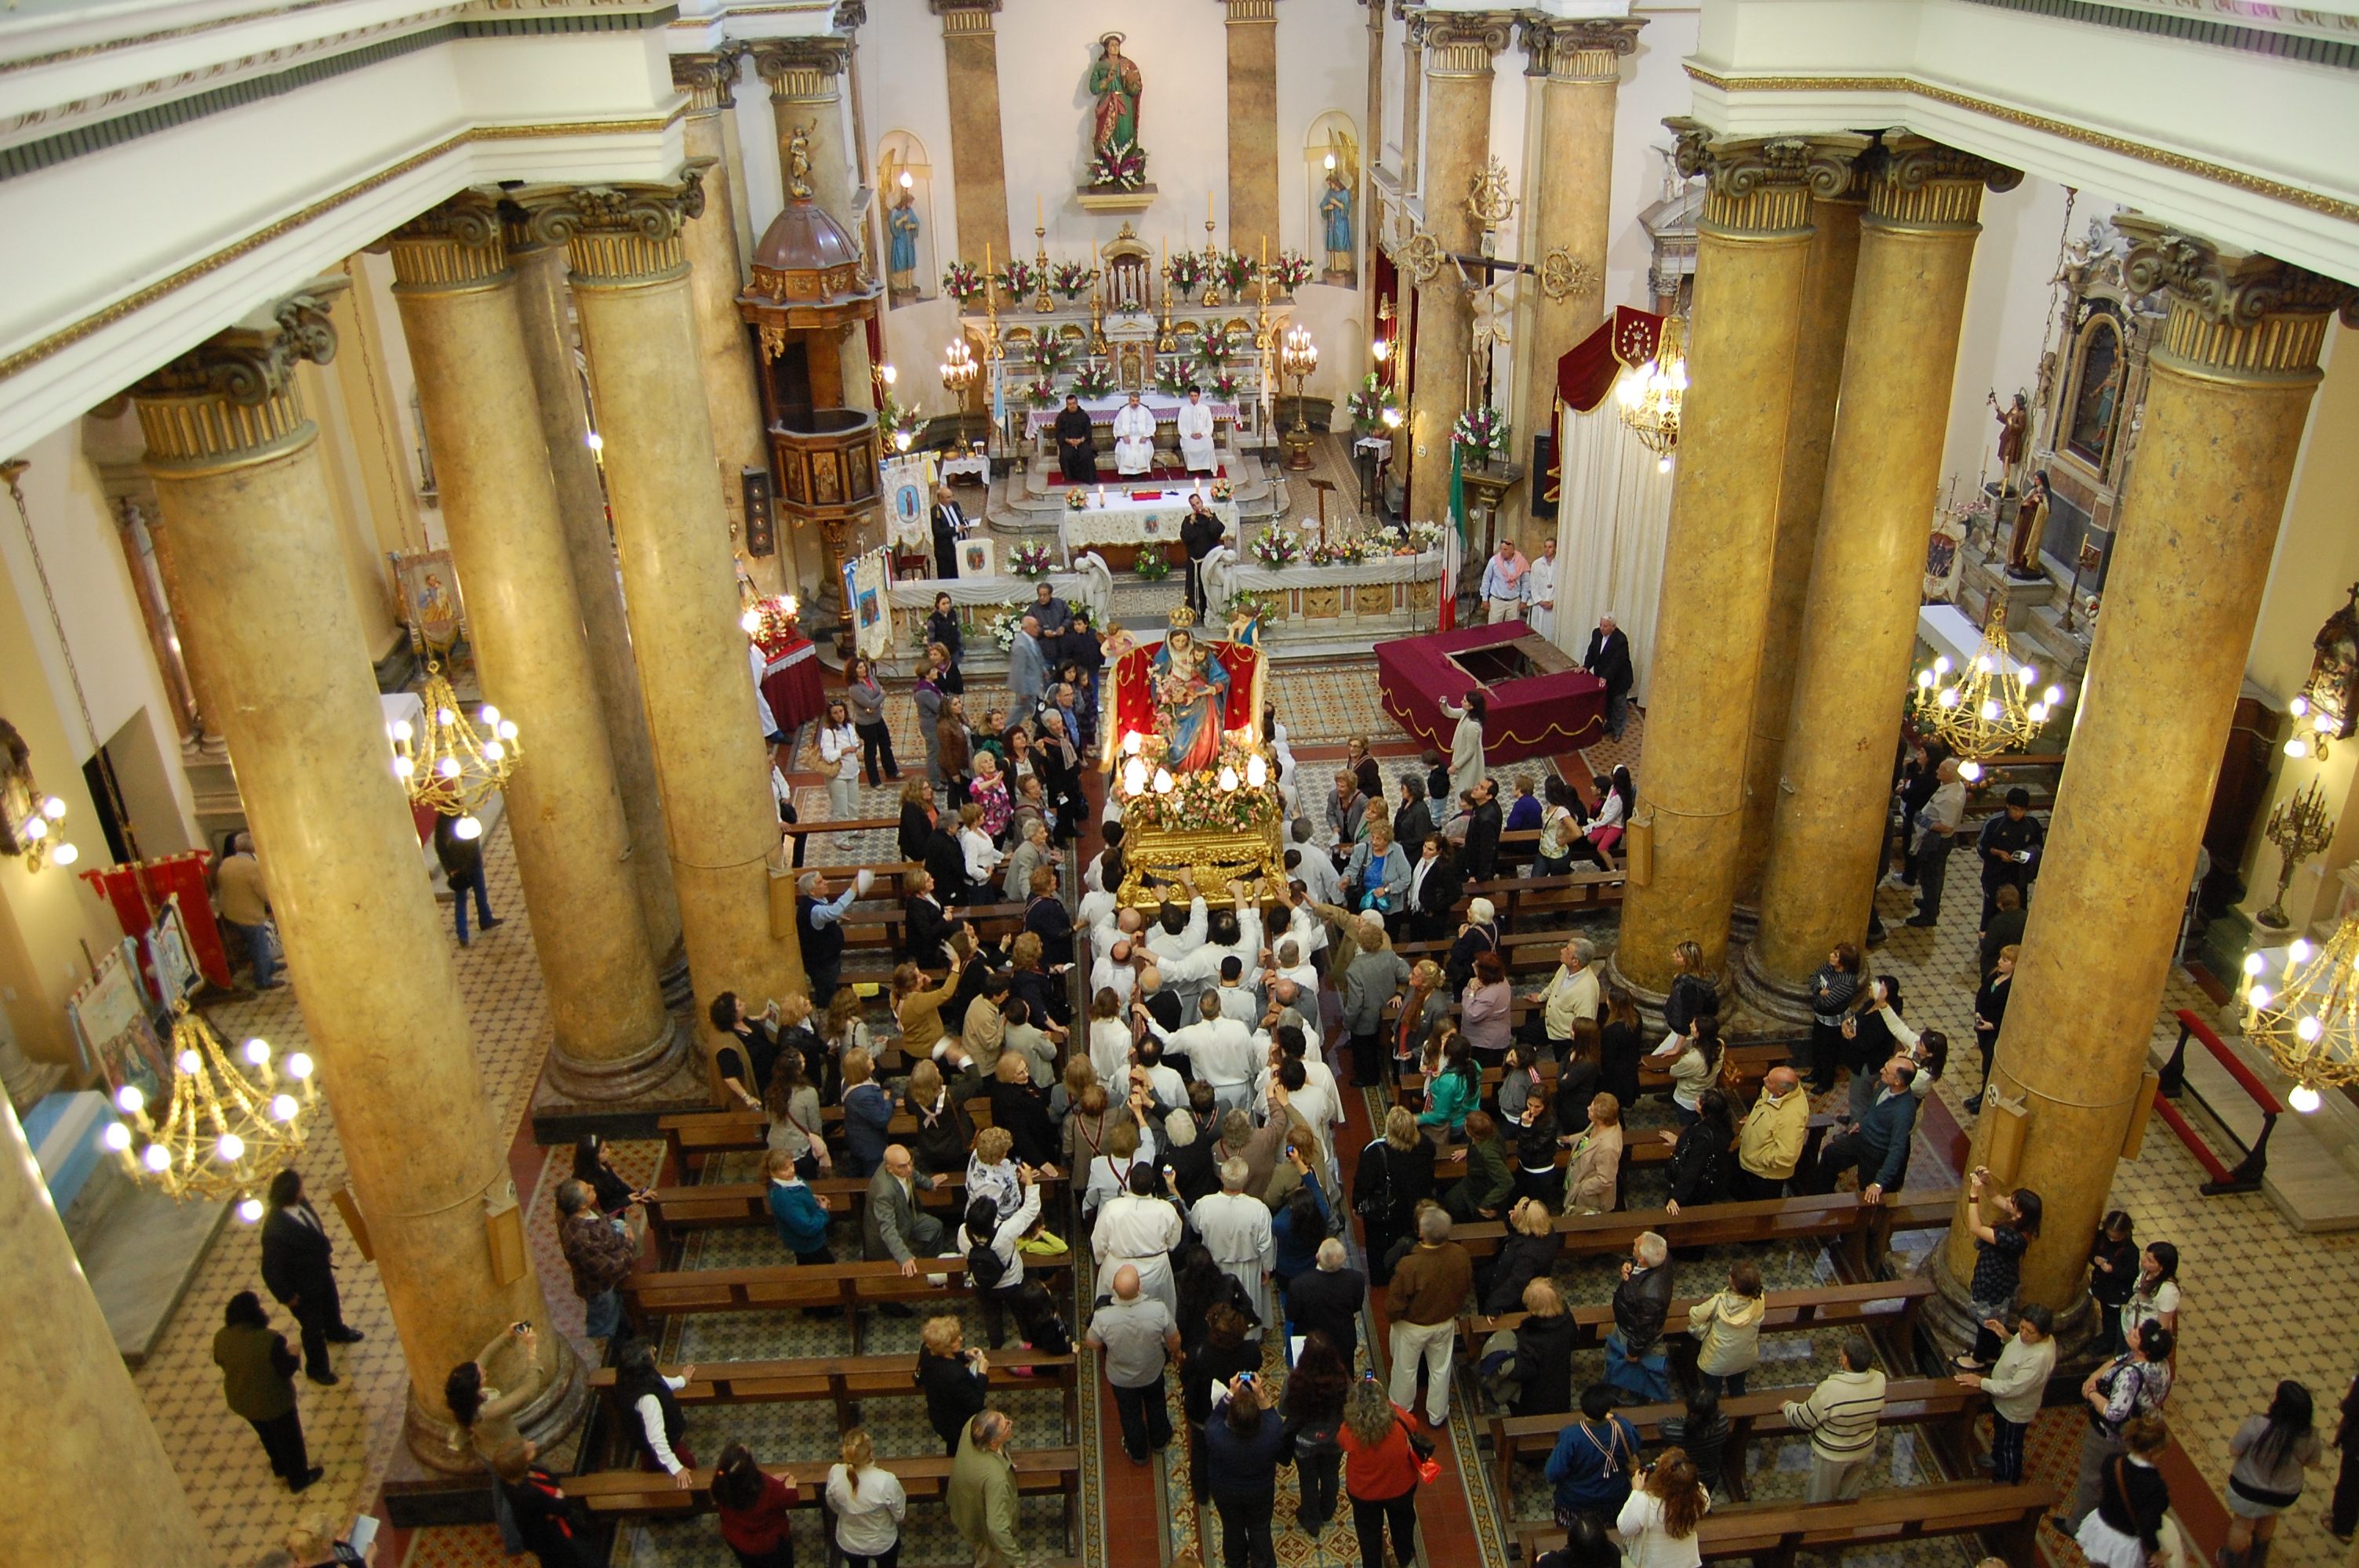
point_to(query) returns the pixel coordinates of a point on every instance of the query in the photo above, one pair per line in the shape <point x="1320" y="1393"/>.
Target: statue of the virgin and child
<point x="1191" y="694"/>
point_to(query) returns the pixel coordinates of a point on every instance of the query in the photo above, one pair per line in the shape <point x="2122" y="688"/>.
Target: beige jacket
<point x="1770" y="1141"/>
<point x="1596" y="1171"/>
<point x="1730" y="1326"/>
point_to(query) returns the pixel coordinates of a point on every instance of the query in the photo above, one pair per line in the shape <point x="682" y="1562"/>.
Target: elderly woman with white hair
<point x="1369" y="986"/>
<point x="1478" y="933"/>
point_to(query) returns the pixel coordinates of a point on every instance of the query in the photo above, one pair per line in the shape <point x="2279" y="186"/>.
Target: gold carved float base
<point x="1212" y="860"/>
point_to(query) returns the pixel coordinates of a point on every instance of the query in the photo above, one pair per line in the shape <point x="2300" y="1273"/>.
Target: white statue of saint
<point x="1196" y="432"/>
<point x="1133" y="437"/>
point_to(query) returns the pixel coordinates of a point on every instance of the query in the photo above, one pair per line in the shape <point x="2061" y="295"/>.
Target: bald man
<point x="1135" y="1335"/>
<point x="949" y="522"/>
<point x="892" y="1225"/>
<point x="1769" y="1140"/>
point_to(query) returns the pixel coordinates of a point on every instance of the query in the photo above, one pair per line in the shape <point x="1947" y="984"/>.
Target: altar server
<point x="1196" y="432"/>
<point x="1539" y="587"/>
<point x="1133" y="437"/>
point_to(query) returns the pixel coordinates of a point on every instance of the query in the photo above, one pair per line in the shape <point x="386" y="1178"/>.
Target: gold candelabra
<point x="1989" y="708"/>
<point x="233" y="1121"/>
<point x="1212" y="277"/>
<point x="960" y="373"/>
<point x="2309" y="1022"/>
<point x="1040" y="300"/>
<point x="2300" y="829"/>
<point x="454" y="768"/>
<point x="1297" y="356"/>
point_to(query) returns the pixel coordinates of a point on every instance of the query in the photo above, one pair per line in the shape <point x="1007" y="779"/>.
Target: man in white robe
<point x="1196" y="433"/>
<point x="1133" y="437"/>
<point x="1540" y="589"/>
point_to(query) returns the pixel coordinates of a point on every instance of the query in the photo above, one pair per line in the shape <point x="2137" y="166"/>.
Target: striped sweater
<point x="1840" y="1415"/>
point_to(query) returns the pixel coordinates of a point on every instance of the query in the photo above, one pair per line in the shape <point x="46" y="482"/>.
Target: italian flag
<point x="1453" y="542"/>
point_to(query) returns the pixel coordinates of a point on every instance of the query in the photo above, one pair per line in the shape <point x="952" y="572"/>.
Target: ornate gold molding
<point x="1264" y="11"/>
<point x="1584" y="52"/>
<point x="1461" y="44"/>
<point x="802" y="71"/>
<point x="619" y="236"/>
<point x="1761" y="189"/>
<point x="2177" y="163"/>
<point x="451" y="248"/>
<point x="2236" y="315"/>
<point x="1420" y="256"/>
<point x="1564" y="274"/>
<point x="708" y="80"/>
<point x="1916" y="183"/>
<point x="231" y="399"/>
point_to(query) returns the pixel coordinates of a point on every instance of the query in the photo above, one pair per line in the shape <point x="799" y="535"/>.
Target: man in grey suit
<point x="892" y="1225"/>
<point x="1027" y="670"/>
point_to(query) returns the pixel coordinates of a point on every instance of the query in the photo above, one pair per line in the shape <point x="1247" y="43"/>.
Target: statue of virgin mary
<point x="1191" y="694"/>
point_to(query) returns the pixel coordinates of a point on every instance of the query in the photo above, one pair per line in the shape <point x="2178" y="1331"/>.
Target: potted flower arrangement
<point x="1291" y="270"/>
<point x="1007" y="621"/>
<point x="1368" y="404"/>
<point x="1186" y="271"/>
<point x="1017" y="278"/>
<point x="1119" y="169"/>
<point x="1424" y="537"/>
<point x="1174" y="379"/>
<point x="1276" y="547"/>
<point x="1093" y="379"/>
<point x="1043" y="395"/>
<point x="1330" y="554"/>
<point x="1236" y="272"/>
<point x="1225" y="387"/>
<point x="1070" y="277"/>
<point x="962" y="283"/>
<point x="1030" y="560"/>
<point x="1149" y="565"/>
<point x="1482" y="432"/>
<point x="1051" y="356"/>
<point x="1217" y="346"/>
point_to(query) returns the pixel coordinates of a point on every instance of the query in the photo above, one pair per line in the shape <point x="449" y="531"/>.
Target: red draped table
<point x="790" y="682"/>
<point x="1542" y="703"/>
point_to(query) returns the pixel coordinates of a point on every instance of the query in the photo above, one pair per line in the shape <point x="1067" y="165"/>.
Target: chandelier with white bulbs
<point x="233" y="1121"/>
<point x="1990" y="707"/>
<point x="454" y="768"/>
<point x="2303" y="1010"/>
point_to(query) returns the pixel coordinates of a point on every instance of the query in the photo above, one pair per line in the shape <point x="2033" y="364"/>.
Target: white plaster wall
<point x="1653" y="87"/>
<point x="1322" y="65"/>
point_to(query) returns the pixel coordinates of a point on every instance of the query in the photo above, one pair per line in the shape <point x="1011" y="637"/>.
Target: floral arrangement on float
<point x="1291" y="270"/>
<point x="1009" y="620"/>
<point x="1043" y="395"/>
<point x="772" y="620"/>
<point x="1149" y="564"/>
<point x="1122" y="168"/>
<point x="1186" y="271"/>
<point x="1236" y="793"/>
<point x="1018" y="278"/>
<point x="1070" y="277"/>
<point x="1093" y="379"/>
<point x="1367" y="406"/>
<point x="1031" y="560"/>
<point x="1481" y="431"/>
<point x="1236" y="271"/>
<point x="1076" y="498"/>
<point x="962" y="283"/>
<point x="1275" y="547"/>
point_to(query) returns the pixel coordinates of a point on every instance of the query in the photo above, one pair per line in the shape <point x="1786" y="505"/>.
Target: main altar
<point x="1189" y="763"/>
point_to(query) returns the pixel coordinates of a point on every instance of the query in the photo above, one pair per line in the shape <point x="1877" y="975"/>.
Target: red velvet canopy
<point x="1134" y="693"/>
<point x="1588" y="369"/>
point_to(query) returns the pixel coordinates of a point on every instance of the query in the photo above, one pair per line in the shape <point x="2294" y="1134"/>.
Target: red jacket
<point x="760" y="1528"/>
<point x="1387" y="1470"/>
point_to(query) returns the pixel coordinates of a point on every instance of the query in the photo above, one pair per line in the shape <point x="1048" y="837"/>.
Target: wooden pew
<point x="621" y="1493"/>
<point x="880" y="929"/>
<point x="1646" y="1149"/>
<point x="676" y="1210"/>
<point x="848" y="1286"/>
<point x="802" y="829"/>
<point x="1836" y="1217"/>
<point x="1752" y="1059"/>
<point x="1774" y="1534"/>
<point x="1530" y="952"/>
<point x="1937" y="1402"/>
<point x="691" y="1136"/>
<point x="843" y="1380"/>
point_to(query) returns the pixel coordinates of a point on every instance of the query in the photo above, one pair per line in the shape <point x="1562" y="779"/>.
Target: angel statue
<point x="1115" y="82"/>
<point x="1191" y="694"/>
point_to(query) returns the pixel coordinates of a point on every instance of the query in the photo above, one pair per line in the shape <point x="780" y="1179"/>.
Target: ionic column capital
<point x="1460" y="44"/>
<point x="232" y="399"/>
<point x="802" y="71"/>
<point x="1913" y="183"/>
<point x="451" y="248"/>
<point x="708" y="80"/>
<point x="1579" y="51"/>
<point x="1265" y="11"/>
<point x="618" y="236"/>
<point x="2236" y="315"/>
<point x="1761" y="187"/>
<point x="851" y="16"/>
<point x="966" y="19"/>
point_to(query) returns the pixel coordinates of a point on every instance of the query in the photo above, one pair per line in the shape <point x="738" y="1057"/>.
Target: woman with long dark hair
<point x="1620" y="1048"/>
<point x="2344" y="1514"/>
<point x="593" y="1163"/>
<point x="1999" y="1245"/>
<point x="1699" y="1153"/>
<point x="1245" y="1442"/>
<point x="1658" y="1523"/>
<point x="1832" y="987"/>
<point x="2154" y="1297"/>
<point x="2272" y="1451"/>
<point x="753" y="1507"/>
<point x="942" y="628"/>
<point x="866" y="693"/>
<point x="1693" y="1062"/>
<point x="1313" y="1409"/>
<point x="2112" y="1275"/>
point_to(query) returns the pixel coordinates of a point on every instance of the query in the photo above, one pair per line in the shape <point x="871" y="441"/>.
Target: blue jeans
<point x="265" y="957"/>
<point x="459" y="886"/>
<point x="603" y="1313"/>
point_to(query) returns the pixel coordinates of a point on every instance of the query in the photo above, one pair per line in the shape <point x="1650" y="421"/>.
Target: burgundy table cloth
<point x="1538" y="716"/>
<point x="790" y="682"/>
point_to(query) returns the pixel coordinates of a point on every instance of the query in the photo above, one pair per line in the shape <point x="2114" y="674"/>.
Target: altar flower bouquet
<point x="1291" y="270"/>
<point x="1093" y="379"/>
<point x="1225" y="387"/>
<point x="1217" y="347"/>
<point x="1043" y="395"/>
<point x="1031" y="560"/>
<point x="1223" y="489"/>
<point x="962" y="283"/>
<point x="1150" y="566"/>
<point x="1007" y="621"/>
<point x="1367" y="406"/>
<point x="1276" y="547"/>
<point x="1481" y="431"/>
<point x="1185" y="271"/>
<point x="1076" y="498"/>
<point x="1327" y="554"/>
<point x="1051" y="356"/>
<point x="1236" y="272"/>
<point x="1018" y="278"/>
<point x="1174" y="379"/>
<point x="1424" y="537"/>
<point x="1069" y="278"/>
<point x="1119" y="169"/>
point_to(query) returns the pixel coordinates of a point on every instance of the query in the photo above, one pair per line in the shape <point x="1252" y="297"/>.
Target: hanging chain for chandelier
<point x="453" y="767"/>
<point x="1989" y="708"/>
<point x="232" y="1122"/>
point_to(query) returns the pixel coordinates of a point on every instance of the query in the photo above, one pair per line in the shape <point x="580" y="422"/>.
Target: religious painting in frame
<point x="113" y="1030"/>
<point x="429" y="588"/>
<point x="975" y="557"/>
<point x="172" y="958"/>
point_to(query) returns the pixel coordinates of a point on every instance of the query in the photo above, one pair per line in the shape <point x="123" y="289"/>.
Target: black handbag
<point x="1375" y="1207"/>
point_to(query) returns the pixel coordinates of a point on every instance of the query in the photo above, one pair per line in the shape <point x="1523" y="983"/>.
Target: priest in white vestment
<point x="1133" y="437"/>
<point x="1539" y="583"/>
<point x="1196" y="433"/>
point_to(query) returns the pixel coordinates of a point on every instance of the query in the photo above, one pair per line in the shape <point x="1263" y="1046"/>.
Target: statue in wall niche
<point x="799" y="164"/>
<point x="1115" y="83"/>
<point x="1335" y="218"/>
<point x="901" y="230"/>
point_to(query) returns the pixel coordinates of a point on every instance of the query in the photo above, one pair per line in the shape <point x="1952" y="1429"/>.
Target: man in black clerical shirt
<point x="2010" y="845"/>
<point x="1200" y="532"/>
<point x="1077" y="459"/>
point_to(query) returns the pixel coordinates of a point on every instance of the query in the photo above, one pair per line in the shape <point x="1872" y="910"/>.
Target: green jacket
<point x="982" y="1498"/>
<point x="1448" y="1097"/>
<point x="1488" y="1180"/>
<point x="257" y="1371"/>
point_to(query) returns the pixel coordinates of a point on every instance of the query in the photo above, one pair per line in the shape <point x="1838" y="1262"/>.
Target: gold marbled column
<point x="978" y="159"/>
<point x="2233" y="375"/>
<point x="58" y="1366"/>
<point x="1753" y="255"/>
<point x="457" y="297"/>
<point x="629" y="271"/>
<point x="806" y="78"/>
<point x="240" y="483"/>
<point x="732" y="396"/>
<point x="544" y="307"/>
<point x="1253" y="126"/>
<point x="1583" y="63"/>
<point x="1802" y="487"/>
<point x="1859" y="626"/>
<point x="1459" y="48"/>
<point x="1412" y="103"/>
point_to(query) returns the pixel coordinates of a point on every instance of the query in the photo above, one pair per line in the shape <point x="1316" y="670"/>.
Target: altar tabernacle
<point x="1543" y="704"/>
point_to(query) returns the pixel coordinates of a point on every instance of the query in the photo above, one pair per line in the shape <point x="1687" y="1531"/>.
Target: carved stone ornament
<point x="1912" y="163"/>
<point x="1491" y="199"/>
<point x="2222" y="284"/>
<point x="708" y="77"/>
<point x="655" y="213"/>
<point x="1564" y="274"/>
<point x="803" y="66"/>
<point x="1740" y="168"/>
<point x="254" y="361"/>
<point x="1421" y="257"/>
<point x="1553" y="46"/>
<point x="850" y="15"/>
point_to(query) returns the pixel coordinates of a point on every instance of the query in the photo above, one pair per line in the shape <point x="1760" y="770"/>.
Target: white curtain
<point x="1614" y="512"/>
